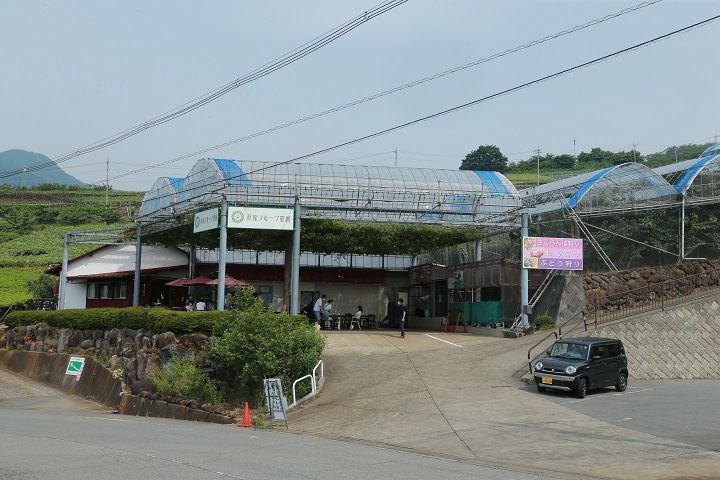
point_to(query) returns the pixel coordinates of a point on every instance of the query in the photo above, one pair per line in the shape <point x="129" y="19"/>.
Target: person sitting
<point x="356" y="318"/>
<point x="200" y="305"/>
<point x="190" y="307"/>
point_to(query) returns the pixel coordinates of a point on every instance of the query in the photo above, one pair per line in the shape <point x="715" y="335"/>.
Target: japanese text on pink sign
<point x="553" y="253"/>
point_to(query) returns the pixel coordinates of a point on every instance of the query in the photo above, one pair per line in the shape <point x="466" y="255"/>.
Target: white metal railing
<point x="313" y="381"/>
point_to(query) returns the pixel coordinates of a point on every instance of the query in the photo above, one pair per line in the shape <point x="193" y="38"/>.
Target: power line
<point x="260" y="72"/>
<point x="399" y="88"/>
<point x="502" y="93"/>
<point x="476" y="102"/>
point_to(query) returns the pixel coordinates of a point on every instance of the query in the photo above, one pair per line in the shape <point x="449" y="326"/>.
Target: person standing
<point x="318" y="309"/>
<point x="326" y="314"/>
<point x="401" y="313"/>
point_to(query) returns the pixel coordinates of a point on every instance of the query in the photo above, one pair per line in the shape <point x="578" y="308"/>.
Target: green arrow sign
<point x="75" y="366"/>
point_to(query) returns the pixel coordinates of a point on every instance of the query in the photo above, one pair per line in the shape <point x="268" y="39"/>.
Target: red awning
<point x="201" y="280"/>
<point x="180" y="282"/>
<point x="231" y="282"/>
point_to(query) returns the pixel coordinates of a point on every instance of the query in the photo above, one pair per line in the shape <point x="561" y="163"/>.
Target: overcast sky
<point x="76" y="72"/>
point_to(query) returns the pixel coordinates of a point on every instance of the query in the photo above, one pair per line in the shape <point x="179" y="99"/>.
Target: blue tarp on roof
<point x="176" y="183"/>
<point x="687" y="178"/>
<point x="572" y="201"/>
<point x="232" y="174"/>
<point x="494" y="184"/>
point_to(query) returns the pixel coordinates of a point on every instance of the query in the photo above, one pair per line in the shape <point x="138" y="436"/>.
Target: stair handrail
<point x="536" y="296"/>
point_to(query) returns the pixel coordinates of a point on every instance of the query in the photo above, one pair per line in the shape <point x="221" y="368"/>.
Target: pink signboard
<point x="553" y="253"/>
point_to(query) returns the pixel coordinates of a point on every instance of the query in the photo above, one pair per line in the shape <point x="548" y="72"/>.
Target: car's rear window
<point x="614" y="350"/>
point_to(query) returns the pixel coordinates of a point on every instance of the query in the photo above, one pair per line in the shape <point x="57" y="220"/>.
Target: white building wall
<point x="75" y="294"/>
<point x="121" y="258"/>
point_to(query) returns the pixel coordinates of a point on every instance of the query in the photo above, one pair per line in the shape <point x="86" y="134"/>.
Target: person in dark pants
<point x="401" y="313"/>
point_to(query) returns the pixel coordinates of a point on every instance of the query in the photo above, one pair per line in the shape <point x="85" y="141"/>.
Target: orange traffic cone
<point x="246" y="417"/>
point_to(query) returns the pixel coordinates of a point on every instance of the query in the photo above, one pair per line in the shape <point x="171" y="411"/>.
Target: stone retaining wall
<point x="612" y="289"/>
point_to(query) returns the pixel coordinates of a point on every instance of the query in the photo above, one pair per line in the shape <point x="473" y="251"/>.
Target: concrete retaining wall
<point x="96" y="382"/>
<point x="683" y="342"/>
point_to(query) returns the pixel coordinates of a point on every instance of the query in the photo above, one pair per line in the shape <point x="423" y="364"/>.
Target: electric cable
<point x="396" y="89"/>
<point x="266" y="69"/>
<point x="468" y="104"/>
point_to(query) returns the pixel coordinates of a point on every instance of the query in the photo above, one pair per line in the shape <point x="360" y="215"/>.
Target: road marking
<point x="436" y="338"/>
<point x="116" y="420"/>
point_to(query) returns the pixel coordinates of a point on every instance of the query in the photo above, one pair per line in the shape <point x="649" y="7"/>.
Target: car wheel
<point x="540" y="388"/>
<point x="581" y="389"/>
<point x="621" y="384"/>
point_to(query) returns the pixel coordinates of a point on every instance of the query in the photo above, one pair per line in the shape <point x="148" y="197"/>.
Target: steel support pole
<point x="524" y="218"/>
<point x="63" y="273"/>
<point x="682" y="231"/>
<point x="222" y="256"/>
<point x="295" y="266"/>
<point x="138" y="264"/>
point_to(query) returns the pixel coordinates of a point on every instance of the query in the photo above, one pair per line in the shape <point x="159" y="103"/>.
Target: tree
<point x="41" y="287"/>
<point x="564" y="162"/>
<point x="487" y="157"/>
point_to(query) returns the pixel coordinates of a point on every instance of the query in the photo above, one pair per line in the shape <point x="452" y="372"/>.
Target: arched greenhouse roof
<point x="362" y="193"/>
<point x="628" y="186"/>
<point x="161" y="195"/>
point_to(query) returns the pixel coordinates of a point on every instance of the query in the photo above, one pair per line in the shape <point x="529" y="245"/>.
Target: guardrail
<point x="313" y="382"/>
<point x="657" y="296"/>
<point x="558" y="334"/>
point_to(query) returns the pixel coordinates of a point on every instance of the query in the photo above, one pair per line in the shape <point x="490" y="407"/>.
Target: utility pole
<point x="538" y="165"/>
<point x="634" y="144"/>
<point x="395" y="157"/>
<point x="107" y="183"/>
<point x="675" y="154"/>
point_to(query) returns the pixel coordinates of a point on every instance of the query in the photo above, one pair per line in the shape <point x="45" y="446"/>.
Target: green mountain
<point x="16" y="169"/>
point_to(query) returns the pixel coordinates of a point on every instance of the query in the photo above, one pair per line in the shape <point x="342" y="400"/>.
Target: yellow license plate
<point x="547" y="380"/>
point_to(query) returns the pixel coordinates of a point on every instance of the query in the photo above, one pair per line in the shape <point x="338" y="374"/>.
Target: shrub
<point x="544" y="322"/>
<point x="258" y="343"/>
<point x="182" y="378"/>
<point x="151" y="319"/>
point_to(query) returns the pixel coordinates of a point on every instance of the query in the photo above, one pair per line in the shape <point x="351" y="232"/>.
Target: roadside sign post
<point x="75" y="367"/>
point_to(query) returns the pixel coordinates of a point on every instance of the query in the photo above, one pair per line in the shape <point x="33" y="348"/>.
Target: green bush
<point x="182" y="378"/>
<point x="544" y="322"/>
<point x="257" y="343"/>
<point x="151" y="319"/>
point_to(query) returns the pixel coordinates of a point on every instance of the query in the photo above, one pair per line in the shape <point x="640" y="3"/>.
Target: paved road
<point x="454" y="395"/>
<point x="49" y="434"/>
<point x="680" y="410"/>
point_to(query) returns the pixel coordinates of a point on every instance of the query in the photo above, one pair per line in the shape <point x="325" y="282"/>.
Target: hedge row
<point x="135" y="318"/>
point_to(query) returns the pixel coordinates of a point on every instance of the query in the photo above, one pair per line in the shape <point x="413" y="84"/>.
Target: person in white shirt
<point x="318" y="307"/>
<point x="200" y="305"/>
<point x="356" y="318"/>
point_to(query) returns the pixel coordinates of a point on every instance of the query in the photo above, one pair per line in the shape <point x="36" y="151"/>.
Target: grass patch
<point x="12" y="283"/>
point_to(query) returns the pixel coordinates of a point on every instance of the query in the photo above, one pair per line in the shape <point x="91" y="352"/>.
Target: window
<point x="614" y="350"/>
<point x="107" y="290"/>
<point x="598" y="351"/>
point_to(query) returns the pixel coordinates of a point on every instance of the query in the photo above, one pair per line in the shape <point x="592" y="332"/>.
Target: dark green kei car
<point x="581" y="364"/>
